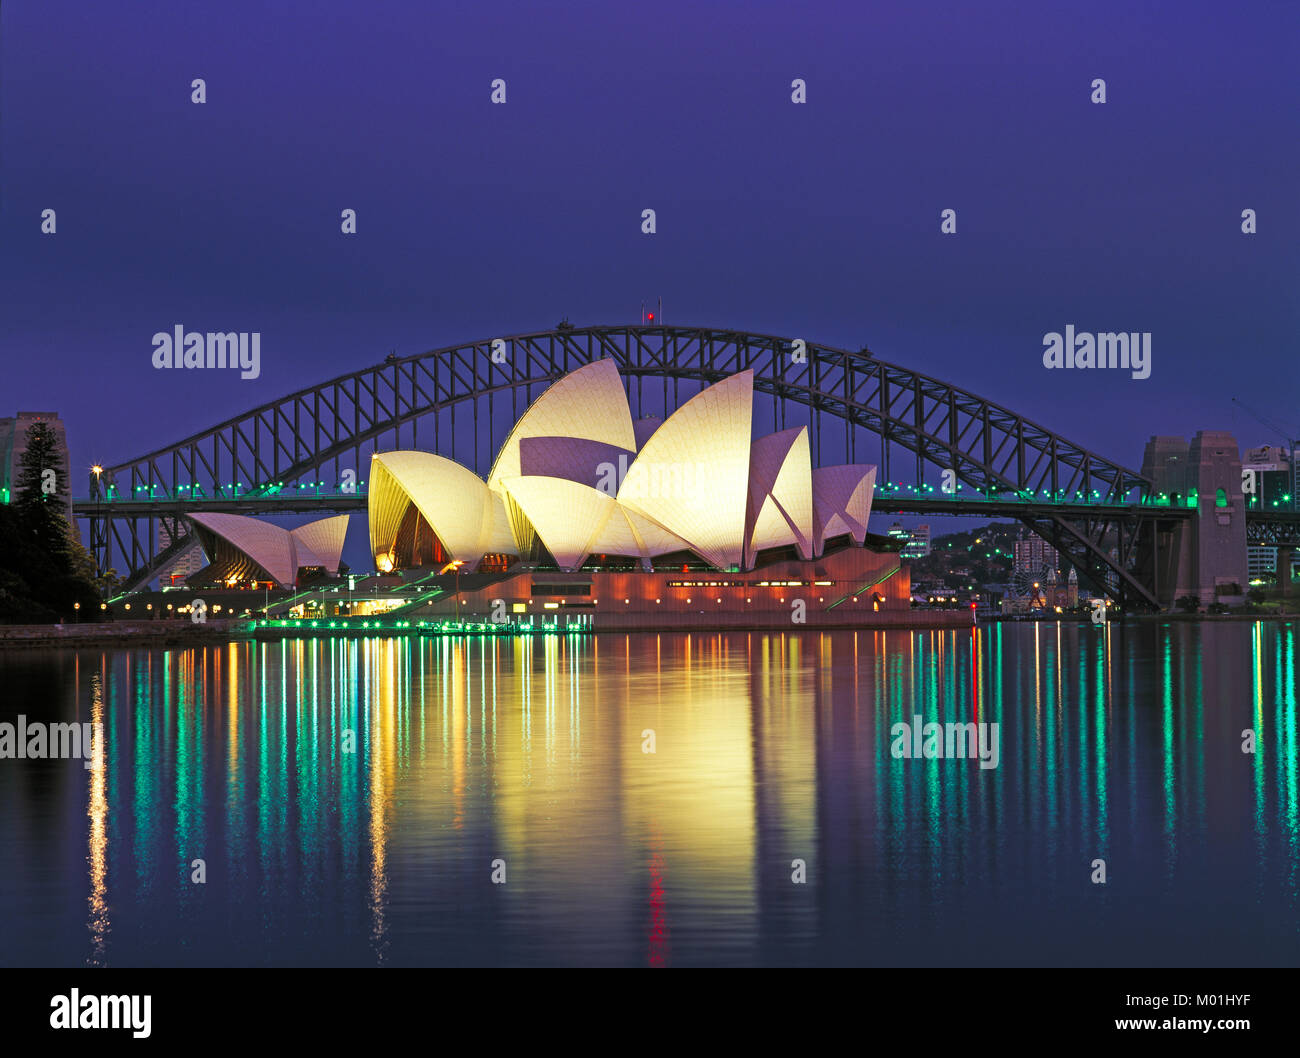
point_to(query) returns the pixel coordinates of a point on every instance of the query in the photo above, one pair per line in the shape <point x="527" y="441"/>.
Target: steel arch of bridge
<point x="321" y="430"/>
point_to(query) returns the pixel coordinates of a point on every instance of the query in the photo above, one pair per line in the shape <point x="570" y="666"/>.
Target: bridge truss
<point x="297" y="452"/>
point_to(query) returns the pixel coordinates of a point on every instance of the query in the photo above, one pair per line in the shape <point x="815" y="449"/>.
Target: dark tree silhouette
<point x="44" y="569"/>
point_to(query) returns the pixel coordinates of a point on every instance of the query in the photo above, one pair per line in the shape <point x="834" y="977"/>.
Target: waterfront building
<point x="13" y="443"/>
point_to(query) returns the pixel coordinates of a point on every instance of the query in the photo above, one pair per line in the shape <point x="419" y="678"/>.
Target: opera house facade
<point x="622" y="523"/>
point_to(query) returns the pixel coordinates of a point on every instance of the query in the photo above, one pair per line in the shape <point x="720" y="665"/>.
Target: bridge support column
<point x="1285" y="556"/>
<point x="1171" y="547"/>
<point x="1221" y="523"/>
<point x="1209" y="553"/>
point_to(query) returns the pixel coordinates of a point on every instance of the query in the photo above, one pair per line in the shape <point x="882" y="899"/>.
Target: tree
<point x="40" y="493"/>
<point x="106" y="582"/>
<point x="45" y="572"/>
<point x="1189" y="603"/>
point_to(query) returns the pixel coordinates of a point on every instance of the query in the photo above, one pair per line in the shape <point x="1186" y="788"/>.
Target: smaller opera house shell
<point x="578" y="480"/>
<point x="242" y="550"/>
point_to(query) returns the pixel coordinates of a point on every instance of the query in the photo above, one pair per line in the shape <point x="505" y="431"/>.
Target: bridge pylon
<point x="1204" y="557"/>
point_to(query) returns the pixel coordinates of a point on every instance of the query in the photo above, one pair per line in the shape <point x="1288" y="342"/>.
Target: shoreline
<point x="182" y="634"/>
<point x="123" y="633"/>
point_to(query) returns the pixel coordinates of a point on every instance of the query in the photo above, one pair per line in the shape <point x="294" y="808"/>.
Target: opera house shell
<point x="578" y="480"/>
<point x="241" y="549"/>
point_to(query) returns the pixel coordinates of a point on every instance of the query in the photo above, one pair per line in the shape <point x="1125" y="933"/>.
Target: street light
<point x="455" y="565"/>
<point x="97" y="470"/>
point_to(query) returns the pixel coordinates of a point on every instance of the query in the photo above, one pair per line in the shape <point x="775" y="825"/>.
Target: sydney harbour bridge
<point x="940" y="449"/>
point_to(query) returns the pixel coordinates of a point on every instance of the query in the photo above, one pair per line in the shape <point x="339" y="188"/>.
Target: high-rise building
<point x="1032" y="553"/>
<point x="918" y="546"/>
<point x="187" y="563"/>
<point x="1276" y="480"/>
<point x="916" y="542"/>
<point x="13" y="443"/>
<point x="1261" y="560"/>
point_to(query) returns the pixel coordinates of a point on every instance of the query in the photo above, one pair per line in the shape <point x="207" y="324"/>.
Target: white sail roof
<point x="468" y="517"/>
<point x="780" y="493"/>
<point x="279" y="551"/>
<point x="320" y="543"/>
<point x="568" y="516"/>
<point x="587" y="404"/>
<point x="691" y="478"/>
<point x="842" y="501"/>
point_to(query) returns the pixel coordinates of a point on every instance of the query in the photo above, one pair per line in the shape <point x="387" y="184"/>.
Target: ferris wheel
<point x="1031" y="582"/>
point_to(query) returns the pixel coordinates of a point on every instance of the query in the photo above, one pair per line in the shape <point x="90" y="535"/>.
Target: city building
<point x="1275" y="486"/>
<point x="1275" y="477"/>
<point x="184" y="565"/>
<point x="918" y="544"/>
<point x="13" y="443"/>
<point x="1034" y="554"/>
<point x="914" y="543"/>
<point x="1262" y="560"/>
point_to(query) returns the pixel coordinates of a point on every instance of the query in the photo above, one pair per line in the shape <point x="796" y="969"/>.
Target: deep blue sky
<point x="819" y="220"/>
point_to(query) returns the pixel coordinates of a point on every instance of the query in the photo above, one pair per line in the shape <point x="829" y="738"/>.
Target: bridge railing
<point x="197" y="493"/>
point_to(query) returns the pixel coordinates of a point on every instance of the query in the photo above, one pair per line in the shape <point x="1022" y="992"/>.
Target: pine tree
<point x="41" y="454"/>
<point x="40" y="493"/>
<point x="44" y="570"/>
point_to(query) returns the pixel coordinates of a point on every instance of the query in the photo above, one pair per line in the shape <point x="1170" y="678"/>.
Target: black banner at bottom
<point x="339" y="1006"/>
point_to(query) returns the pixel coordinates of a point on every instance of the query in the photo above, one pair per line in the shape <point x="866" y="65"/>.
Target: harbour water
<point x="676" y="799"/>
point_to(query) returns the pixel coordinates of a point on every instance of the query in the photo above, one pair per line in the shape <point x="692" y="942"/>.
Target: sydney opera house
<point x="640" y="523"/>
<point x="591" y="518"/>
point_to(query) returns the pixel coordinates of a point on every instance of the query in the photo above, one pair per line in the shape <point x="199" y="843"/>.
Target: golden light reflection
<point x="381" y="746"/>
<point x="98" y="813"/>
<point x="697" y="791"/>
<point x="232" y="729"/>
<point x="459" y="725"/>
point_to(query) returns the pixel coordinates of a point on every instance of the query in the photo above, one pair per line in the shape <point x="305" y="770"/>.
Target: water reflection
<point x="671" y="799"/>
<point x="98" y="835"/>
